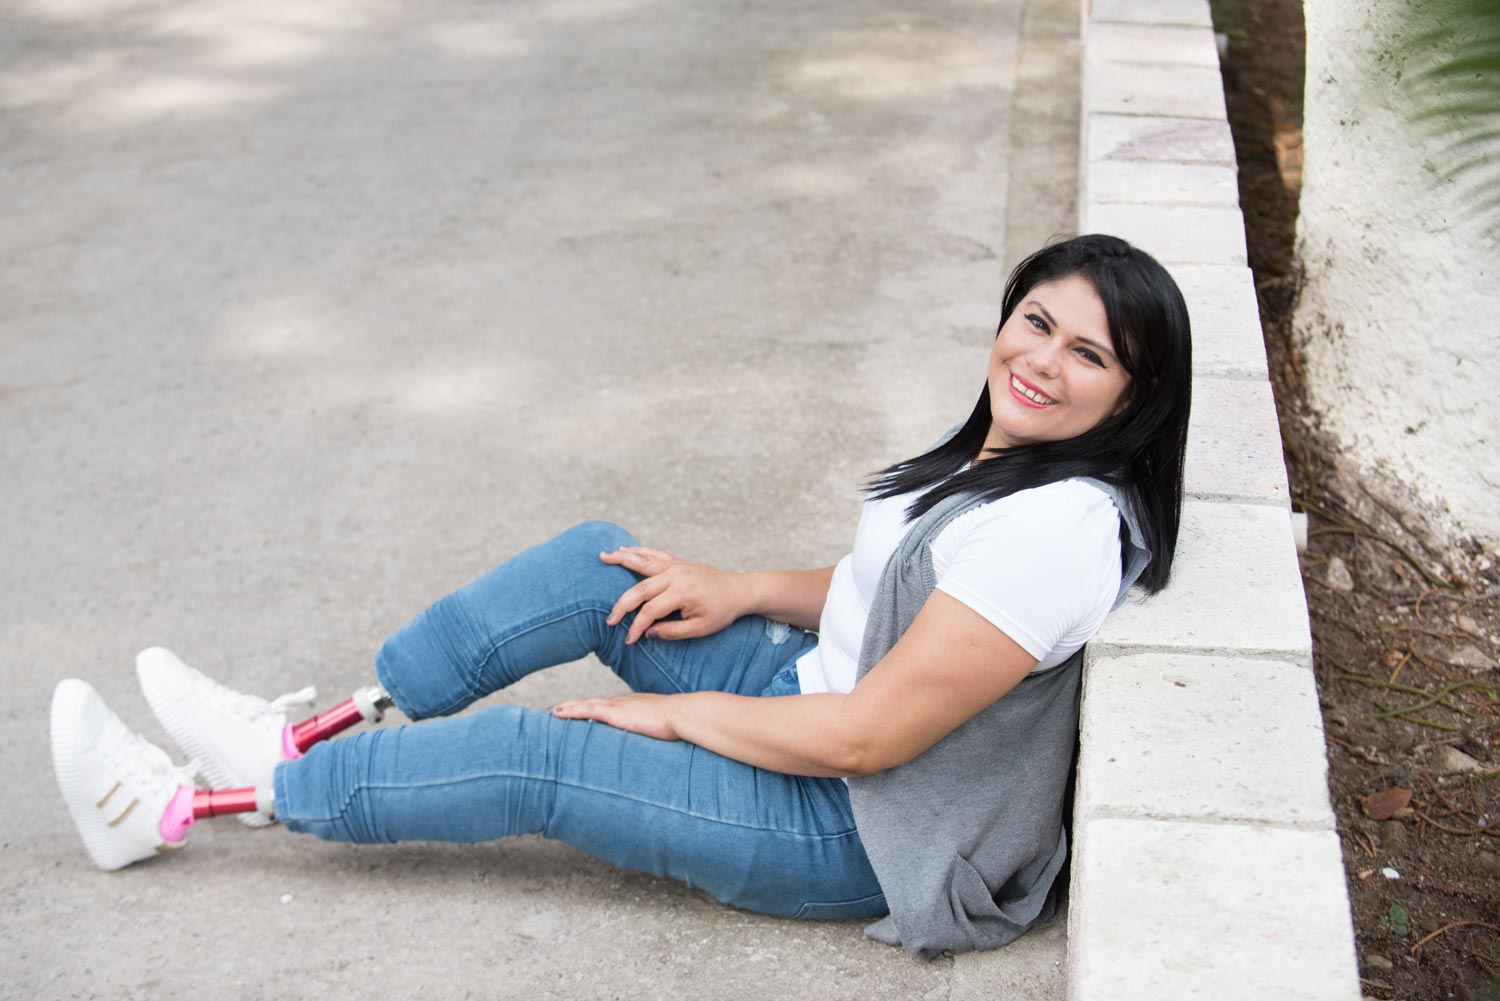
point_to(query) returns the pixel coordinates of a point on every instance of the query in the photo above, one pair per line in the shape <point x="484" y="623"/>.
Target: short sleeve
<point x="1042" y="565"/>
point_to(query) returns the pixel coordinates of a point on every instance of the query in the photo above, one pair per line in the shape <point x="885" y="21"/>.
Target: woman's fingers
<point x="633" y="597"/>
<point x="641" y="559"/>
<point x="669" y="585"/>
<point x="680" y="629"/>
<point x="624" y="558"/>
<point x="638" y="712"/>
<point x="596" y="709"/>
<point x="651" y="554"/>
<point x="656" y="608"/>
<point x="650" y="601"/>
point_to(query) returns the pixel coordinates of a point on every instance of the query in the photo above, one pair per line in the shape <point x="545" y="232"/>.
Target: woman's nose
<point x="1047" y="359"/>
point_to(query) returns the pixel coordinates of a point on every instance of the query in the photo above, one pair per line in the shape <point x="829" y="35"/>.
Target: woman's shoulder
<point x="1076" y="493"/>
<point x="1042" y="565"/>
<point x="1063" y="503"/>
<point x="1068" y="515"/>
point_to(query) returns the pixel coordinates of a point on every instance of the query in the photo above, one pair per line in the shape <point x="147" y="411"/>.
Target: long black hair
<point x="1138" y="450"/>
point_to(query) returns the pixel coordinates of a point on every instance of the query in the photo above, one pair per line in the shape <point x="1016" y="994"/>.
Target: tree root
<point x="1451" y="925"/>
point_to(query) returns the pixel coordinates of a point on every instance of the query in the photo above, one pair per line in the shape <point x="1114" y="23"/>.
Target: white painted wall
<point x="1400" y="314"/>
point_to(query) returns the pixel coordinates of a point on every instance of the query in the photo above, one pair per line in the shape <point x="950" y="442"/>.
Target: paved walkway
<point x="314" y="311"/>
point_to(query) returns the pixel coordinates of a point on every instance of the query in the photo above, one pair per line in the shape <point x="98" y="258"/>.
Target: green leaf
<point x="1454" y="88"/>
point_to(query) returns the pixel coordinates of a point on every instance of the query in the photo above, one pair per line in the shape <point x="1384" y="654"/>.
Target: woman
<point x="905" y="762"/>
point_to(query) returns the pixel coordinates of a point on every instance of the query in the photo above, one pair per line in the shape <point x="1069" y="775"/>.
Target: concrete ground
<point x="315" y="311"/>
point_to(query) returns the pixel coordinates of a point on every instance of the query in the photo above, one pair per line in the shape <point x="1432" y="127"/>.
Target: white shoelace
<point x="289" y="700"/>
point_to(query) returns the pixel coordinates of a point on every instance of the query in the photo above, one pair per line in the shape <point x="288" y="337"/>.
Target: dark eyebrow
<point x="1102" y="348"/>
<point x="1043" y="310"/>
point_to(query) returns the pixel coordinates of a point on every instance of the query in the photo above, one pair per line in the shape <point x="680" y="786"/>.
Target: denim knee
<point x="597" y="536"/>
<point x="435" y="665"/>
<point x="576" y="550"/>
<point x="575" y="553"/>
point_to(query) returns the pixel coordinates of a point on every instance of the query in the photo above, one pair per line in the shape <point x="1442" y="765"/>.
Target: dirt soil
<point x="1404" y="632"/>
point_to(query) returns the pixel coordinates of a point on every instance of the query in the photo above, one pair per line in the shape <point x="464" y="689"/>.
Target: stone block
<point x="1188" y="13"/>
<point x="1152" y="43"/>
<point x="1202" y="738"/>
<point x="1146" y="89"/>
<point x="1174" y="234"/>
<point x="1163" y="911"/>
<point x="1234" y="443"/>
<point x="1236" y="589"/>
<point x="1155" y="138"/>
<point x="1144" y="182"/>
<point x="1227" y="339"/>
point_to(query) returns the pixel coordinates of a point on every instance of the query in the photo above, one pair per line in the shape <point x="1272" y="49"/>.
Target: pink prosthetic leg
<point x="366" y="705"/>
<point x="216" y="802"/>
<point x="189" y="804"/>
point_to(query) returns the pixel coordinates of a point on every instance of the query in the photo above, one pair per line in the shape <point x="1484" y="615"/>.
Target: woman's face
<point x="1053" y="370"/>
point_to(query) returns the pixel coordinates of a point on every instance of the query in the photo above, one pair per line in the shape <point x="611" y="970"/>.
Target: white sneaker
<point x="235" y="737"/>
<point x="117" y="784"/>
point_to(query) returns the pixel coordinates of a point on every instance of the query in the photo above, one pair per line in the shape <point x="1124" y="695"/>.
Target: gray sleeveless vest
<point x="967" y="837"/>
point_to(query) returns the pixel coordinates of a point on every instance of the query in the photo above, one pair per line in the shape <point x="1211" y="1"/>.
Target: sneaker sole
<point x="184" y="736"/>
<point x="98" y="838"/>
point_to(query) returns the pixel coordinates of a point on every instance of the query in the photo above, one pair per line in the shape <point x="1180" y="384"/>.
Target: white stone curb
<point x="1226" y="320"/>
<point x="1206" y="862"/>
<point x="1147" y="757"/>
<point x="1213" y="912"/>
<point x="1235" y="591"/>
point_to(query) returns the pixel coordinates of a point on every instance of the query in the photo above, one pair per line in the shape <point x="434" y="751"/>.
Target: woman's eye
<point x="1091" y="356"/>
<point x="1037" y="322"/>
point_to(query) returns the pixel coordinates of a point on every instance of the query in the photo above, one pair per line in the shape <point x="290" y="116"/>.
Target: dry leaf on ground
<point x="1383" y="805"/>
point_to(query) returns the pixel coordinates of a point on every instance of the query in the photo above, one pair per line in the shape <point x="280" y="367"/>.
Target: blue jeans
<point x="761" y="840"/>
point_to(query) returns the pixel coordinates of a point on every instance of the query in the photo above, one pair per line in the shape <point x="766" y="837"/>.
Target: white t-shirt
<point x="1042" y="565"/>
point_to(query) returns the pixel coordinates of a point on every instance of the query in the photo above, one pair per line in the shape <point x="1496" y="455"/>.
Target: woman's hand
<point x="638" y="712"/>
<point x="950" y="664"/>
<point x="708" y="599"/>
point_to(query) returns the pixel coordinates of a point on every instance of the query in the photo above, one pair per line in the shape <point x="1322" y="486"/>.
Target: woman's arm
<point x="794" y="596"/>
<point x="948" y="666"/>
<point x="708" y="599"/>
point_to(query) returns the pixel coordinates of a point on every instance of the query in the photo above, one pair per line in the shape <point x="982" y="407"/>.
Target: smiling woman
<point x="901" y="754"/>
<point x="1050" y="378"/>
